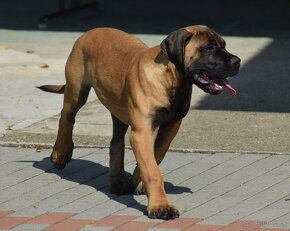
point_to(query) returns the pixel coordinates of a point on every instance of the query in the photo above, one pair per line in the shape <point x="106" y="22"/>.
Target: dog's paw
<point x="120" y="185"/>
<point x="137" y="186"/>
<point x="163" y="212"/>
<point x="60" y="159"/>
<point x="140" y="189"/>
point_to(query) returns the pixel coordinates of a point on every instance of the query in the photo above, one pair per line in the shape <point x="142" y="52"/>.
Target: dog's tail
<point x="59" y="89"/>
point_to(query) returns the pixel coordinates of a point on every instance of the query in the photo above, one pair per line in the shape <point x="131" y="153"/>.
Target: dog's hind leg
<point x="75" y="96"/>
<point x="118" y="180"/>
<point x="164" y="137"/>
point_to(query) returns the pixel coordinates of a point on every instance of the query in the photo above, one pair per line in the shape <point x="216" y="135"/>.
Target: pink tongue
<point x="231" y="90"/>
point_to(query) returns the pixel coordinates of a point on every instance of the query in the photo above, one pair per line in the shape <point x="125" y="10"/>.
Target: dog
<point x="148" y="89"/>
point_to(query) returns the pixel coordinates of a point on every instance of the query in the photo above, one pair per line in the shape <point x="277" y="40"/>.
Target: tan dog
<point x="146" y="88"/>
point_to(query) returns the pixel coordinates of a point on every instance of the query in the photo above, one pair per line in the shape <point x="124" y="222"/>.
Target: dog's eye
<point x="210" y="48"/>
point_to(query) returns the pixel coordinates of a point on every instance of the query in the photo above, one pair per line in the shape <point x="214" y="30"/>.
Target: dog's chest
<point x="178" y="108"/>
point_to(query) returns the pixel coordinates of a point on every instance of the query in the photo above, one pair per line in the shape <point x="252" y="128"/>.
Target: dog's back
<point x="102" y="45"/>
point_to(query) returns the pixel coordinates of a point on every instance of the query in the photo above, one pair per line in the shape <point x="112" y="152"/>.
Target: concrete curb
<point x="183" y="150"/>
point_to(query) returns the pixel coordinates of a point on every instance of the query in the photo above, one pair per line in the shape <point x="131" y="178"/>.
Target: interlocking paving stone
<point x="11" y="154"/>
<point x="280" y="222"/>
<point x="136" y="225"/>
<point x="58" y="184"/>
<point x="101" y="210"/>
<point x="203" y="163"/>
<point x="247" y="185"/>
<point x="271" y="211"/>
<point x="87" y="202"/>
<point x="29" y="184"/>
<point x="253" y="204"/>
<point x="188" y="170"/>
<point x="213" y="189"/>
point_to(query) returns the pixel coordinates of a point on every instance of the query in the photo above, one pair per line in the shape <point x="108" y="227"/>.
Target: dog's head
<point x="199" y="53"/>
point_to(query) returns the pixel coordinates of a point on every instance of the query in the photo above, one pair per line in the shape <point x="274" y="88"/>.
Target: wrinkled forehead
<point x="203" y="34"/>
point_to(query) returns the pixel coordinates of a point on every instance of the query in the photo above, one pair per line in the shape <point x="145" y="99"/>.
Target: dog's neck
<point x="178" y="77"/>
<point x="178" y="88"/>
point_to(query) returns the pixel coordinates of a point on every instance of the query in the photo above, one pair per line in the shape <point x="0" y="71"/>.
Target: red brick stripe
<point x="114" y="220"/>
<point x="199" y="227"/>
<point x="5" y="213"/>
<point x="70" y="225"/>
<point x="179" y="223"/>
<point x="50" y="218"/>
<point x="243" y="226"/>
<point x="271" y="229"/>
<point x="11" y="222"/>
<point x="136" y="225"/>
<point x="62" y="221"/>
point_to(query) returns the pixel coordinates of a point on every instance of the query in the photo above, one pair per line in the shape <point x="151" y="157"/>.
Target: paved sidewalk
<point x="222" y="191"/>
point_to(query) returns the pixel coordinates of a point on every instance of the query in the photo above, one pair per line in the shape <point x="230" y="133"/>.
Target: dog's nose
<point x="235" y="61"/>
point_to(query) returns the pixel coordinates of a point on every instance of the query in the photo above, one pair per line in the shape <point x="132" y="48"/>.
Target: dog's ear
<point x="173" y="47"/>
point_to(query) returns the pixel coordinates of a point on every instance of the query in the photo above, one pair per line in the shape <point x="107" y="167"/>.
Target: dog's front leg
<point x="142" y="142"/>
<point x="165" y="135"/>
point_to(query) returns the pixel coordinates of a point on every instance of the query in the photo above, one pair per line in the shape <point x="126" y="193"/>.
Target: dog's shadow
<point x="95" y="175"/>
